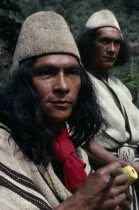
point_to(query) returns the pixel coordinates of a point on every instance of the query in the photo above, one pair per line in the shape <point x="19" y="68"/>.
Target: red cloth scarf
<point x="73" y="169"/>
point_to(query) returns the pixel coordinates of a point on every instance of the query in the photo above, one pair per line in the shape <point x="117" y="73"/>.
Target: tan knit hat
<point x="43" y="33"/>
<point x="103" y="18"/>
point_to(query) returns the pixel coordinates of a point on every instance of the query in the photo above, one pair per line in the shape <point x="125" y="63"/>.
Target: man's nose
<point x="111" y="47"/>
<point x="61" y="84"/>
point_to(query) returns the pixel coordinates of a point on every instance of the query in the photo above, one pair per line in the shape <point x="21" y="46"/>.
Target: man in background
<point x="102" y="46"/>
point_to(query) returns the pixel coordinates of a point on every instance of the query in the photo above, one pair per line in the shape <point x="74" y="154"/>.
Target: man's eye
<point x="74" y="71"/>
<point x="105" y="41"/>
<point x="118" y="42"/>
<point x="44" y="72"/>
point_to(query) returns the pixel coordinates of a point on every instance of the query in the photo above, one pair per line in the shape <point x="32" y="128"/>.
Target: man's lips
<point x="109" y="57"/>
<point x="60" y="103"/>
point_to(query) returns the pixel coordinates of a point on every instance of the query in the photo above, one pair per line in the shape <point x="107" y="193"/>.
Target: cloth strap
<point x="73" y="167"/>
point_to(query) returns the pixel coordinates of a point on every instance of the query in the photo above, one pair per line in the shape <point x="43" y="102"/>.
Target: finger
<point x="126" y="205"/>
<point x="129" y="197"/>
<point x="117" y="190"/>
<point x="119" y="199"/>
<point x="108" y="169"/>
<point x="121" y="179"/>
<point x="115" y="201"/>
<point x="117" y="172"/>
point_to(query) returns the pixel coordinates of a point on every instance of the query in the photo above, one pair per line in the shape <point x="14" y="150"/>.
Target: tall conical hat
<point x="43" y="33"/>
<point x="103" y="18"/>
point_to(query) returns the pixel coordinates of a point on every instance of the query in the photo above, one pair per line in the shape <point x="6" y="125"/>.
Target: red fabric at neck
<point x="63" y="150"/>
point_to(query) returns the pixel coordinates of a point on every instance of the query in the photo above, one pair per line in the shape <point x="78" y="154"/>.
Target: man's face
<point x="57" y="82"/>
<point x="107" y="48"/>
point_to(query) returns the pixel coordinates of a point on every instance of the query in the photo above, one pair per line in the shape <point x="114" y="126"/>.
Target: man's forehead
<point x="109" y="32"/>
<point x="56" y="59"/>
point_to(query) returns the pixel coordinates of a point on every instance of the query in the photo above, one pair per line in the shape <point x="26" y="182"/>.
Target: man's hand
<point x="126" y="205"/>
<point x="100" y="191"/>
<point x="103" y="190"/>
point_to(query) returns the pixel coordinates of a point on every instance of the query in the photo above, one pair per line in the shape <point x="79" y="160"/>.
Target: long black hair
<point x="21" y="112"/>
<point x="86" y="45"/>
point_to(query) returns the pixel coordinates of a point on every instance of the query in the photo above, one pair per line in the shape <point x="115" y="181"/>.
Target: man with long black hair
<point x="41" y="165"/>
<point x="101" y="46"/>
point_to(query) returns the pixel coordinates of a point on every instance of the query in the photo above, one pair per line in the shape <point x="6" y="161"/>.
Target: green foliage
<point x="10" y="23"/>
<point x="129" y="74"/>
<point x="131" y="5"/>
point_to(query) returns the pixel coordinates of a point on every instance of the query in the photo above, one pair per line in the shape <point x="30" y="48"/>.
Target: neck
<point x="99" y="73"/>
<point x="54" y="128"/>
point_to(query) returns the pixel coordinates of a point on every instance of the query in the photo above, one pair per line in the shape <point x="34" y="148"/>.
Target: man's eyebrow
<point x="43" y="65"/>
<point x="74" y="66"/>
<point x="109" y="38"/>
<point x="52" y="66"/>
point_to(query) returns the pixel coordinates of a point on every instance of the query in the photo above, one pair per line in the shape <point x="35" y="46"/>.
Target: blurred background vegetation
<point x="76" y="13"/>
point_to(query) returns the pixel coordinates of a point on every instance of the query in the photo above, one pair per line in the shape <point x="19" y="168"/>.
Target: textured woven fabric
<point x="24" y="185"/>
<point x="122" y="119"/>
<point x="120" y="114"/>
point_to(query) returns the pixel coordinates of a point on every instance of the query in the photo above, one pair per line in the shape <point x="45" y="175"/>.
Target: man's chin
<point x="108" y="66"/>
<point x="59" y="117"/>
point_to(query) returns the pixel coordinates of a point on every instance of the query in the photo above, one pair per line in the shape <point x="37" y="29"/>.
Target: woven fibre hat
<point x="103" y="18"/>
<point x="44" y="32"/>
